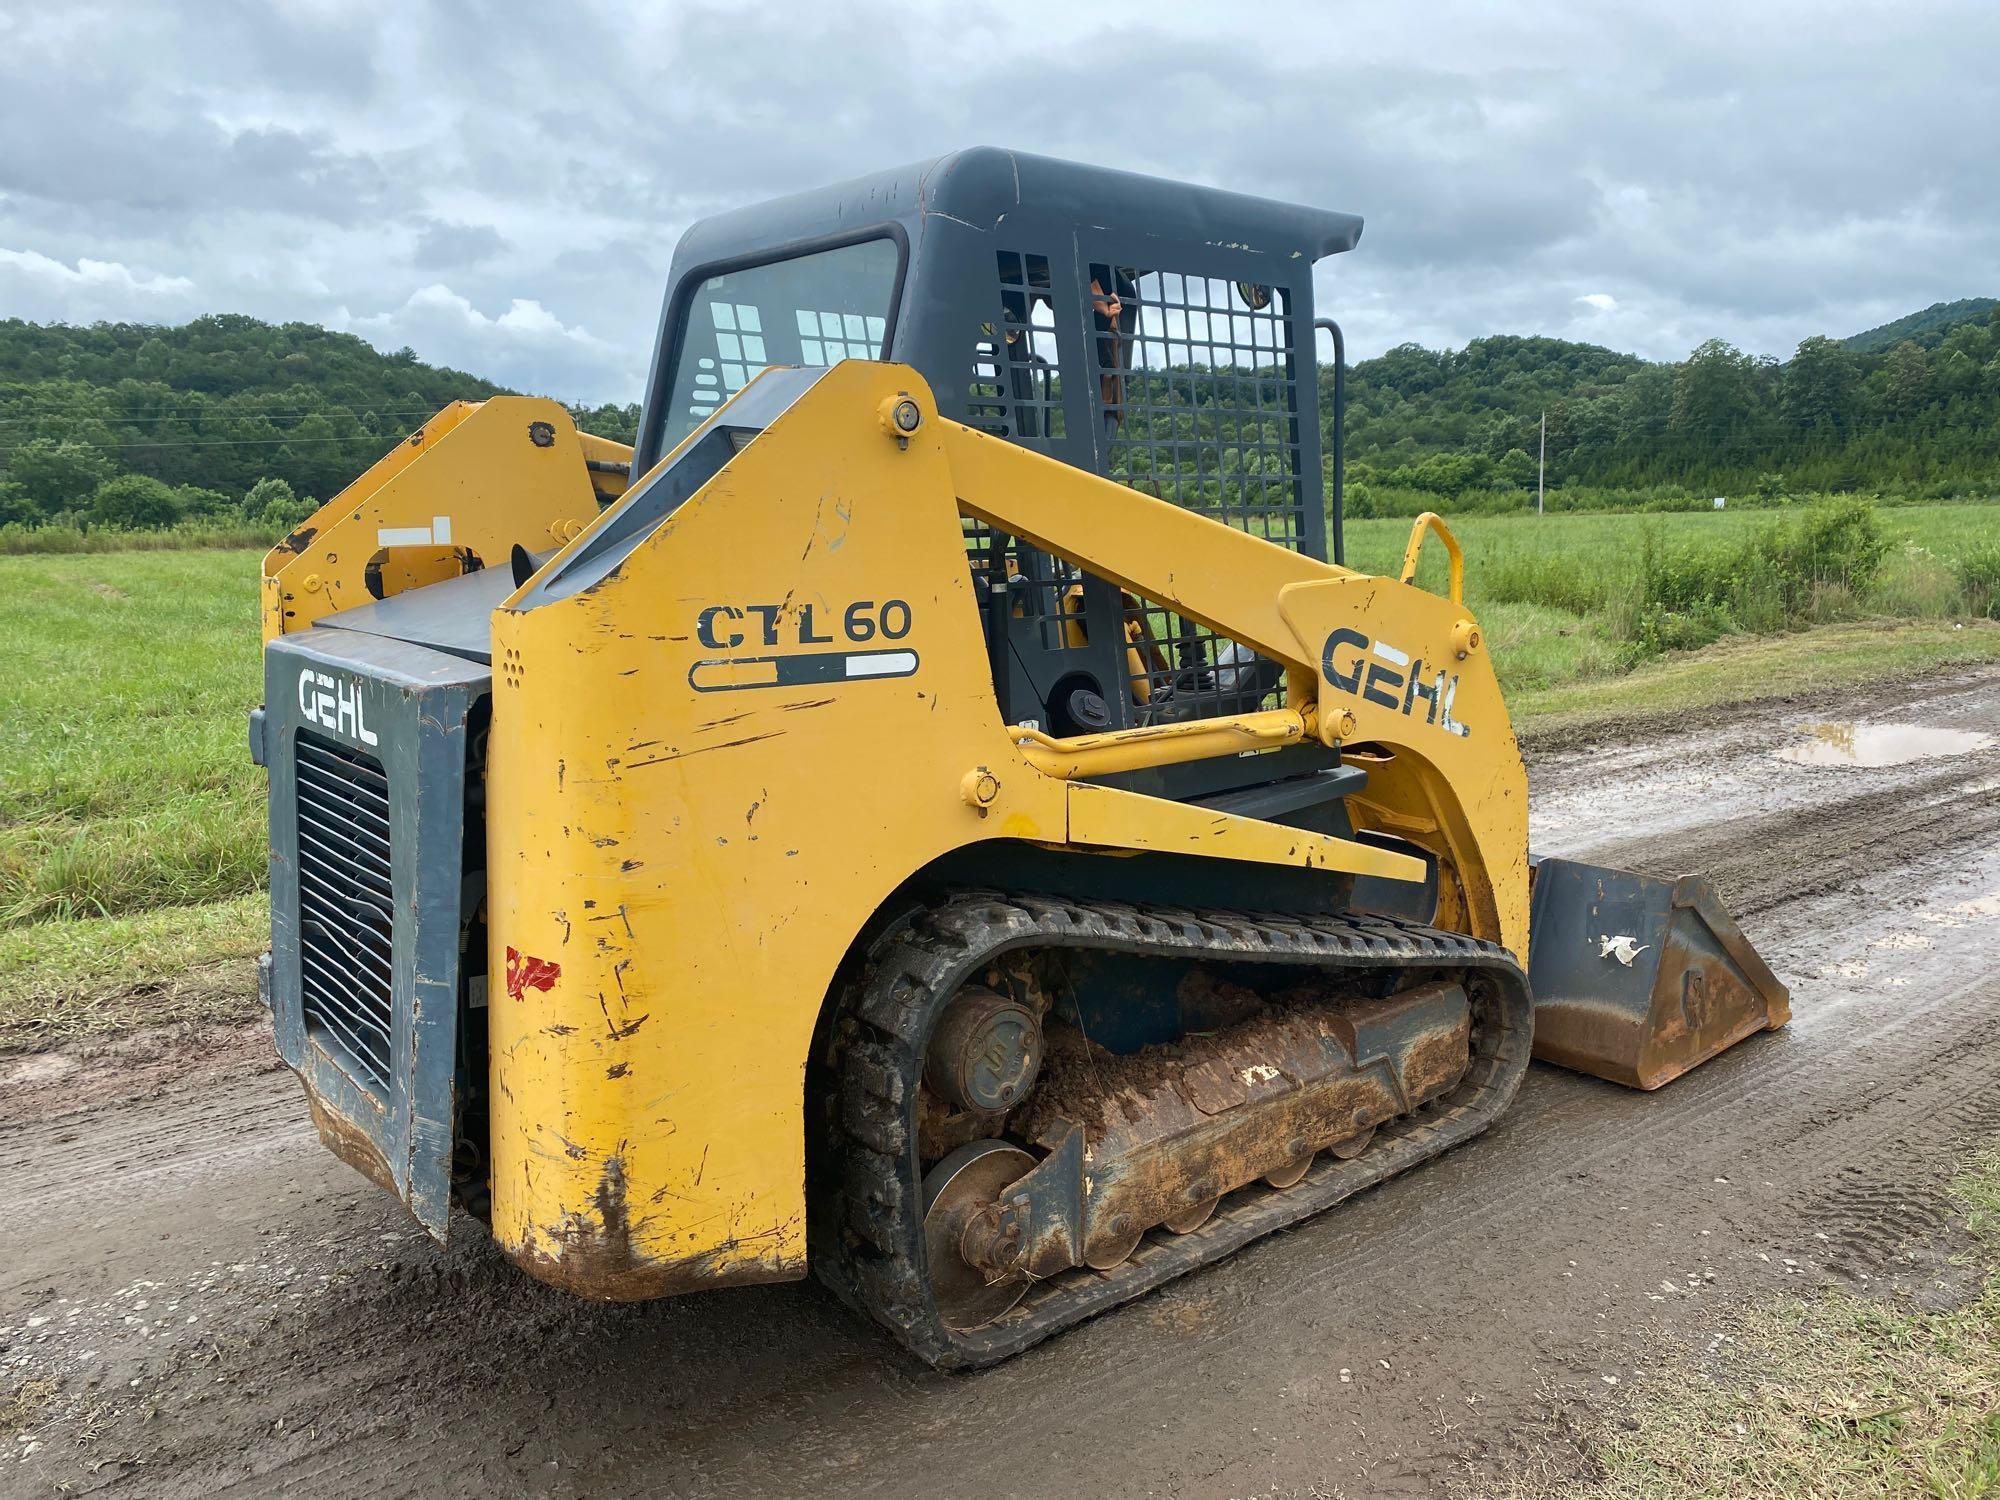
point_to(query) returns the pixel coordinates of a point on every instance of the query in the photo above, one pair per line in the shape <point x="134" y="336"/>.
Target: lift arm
<point x="1395" y="674"/>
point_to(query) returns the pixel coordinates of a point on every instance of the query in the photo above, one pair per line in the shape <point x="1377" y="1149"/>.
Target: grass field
<point x="1561" y="595"/>
<point x="131" y="821"/>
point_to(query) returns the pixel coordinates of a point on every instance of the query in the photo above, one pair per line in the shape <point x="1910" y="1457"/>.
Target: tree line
<point x="229" y="417"/>
<point x="1919" y="417"/>
<point x="225" y="417"/>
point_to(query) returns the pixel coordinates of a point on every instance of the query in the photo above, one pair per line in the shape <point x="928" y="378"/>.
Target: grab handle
<point x="1430" y="521"/>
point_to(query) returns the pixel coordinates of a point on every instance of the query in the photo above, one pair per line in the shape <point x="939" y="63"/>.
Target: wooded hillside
<point x="228" y="417"/>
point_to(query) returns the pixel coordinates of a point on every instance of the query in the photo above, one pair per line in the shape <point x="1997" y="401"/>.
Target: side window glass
<point x="810" y="310"/>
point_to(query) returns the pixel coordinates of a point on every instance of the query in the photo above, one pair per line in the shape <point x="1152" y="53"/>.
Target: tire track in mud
<point x="54" y="1163"/>
<point x="404" y="1370"/>
<point x="90" y="1171"/>
<point x="1873" y="1222"/>
<point x="1760" y="864"/>
<point x="1678" y="783"/>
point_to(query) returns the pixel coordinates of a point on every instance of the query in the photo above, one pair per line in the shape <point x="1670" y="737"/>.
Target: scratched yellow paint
<point x="698" y="863"/>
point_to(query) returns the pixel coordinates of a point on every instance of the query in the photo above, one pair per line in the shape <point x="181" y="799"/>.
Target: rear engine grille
<point x="346" y="906"/>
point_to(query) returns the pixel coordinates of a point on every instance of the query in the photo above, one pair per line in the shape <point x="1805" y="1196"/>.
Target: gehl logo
<point x="334" y="703"/>
<point x="1377" y="672"/>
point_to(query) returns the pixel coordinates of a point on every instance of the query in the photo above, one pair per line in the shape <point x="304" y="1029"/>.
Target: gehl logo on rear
<point x="334" y="703"/>
<point x="1380" y="674"/>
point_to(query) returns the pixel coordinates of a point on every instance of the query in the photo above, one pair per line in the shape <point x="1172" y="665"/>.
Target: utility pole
<point x="1541" y="463"/>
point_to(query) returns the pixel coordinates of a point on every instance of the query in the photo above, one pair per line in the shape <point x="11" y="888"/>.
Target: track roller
<point x="1197" y="1215"/>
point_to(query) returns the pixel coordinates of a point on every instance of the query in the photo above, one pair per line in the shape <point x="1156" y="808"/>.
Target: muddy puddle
<point x="1858" y="744"/>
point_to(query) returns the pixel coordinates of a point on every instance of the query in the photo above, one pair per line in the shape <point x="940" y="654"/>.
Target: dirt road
<point x="195" y="1298"/>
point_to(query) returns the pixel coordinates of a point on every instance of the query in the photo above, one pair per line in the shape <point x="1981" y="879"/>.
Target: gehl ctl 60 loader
<point x="930" y="813"/>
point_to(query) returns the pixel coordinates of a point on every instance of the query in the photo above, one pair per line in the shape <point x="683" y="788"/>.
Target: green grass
<point x="1832" y="1398"/>
<point x="101" y="974"/>
<point x="1563" y="597"/>
<point x="125" y="781"/>
<point x="1746" y="669"/>
<point x="17" y="539"/>
<point x="132" y="839"/>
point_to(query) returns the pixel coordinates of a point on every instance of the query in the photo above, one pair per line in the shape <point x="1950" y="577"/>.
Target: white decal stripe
<point x="438" y="533"/>
<point x="881" y="663"/>
<point x="1389" y="653"/>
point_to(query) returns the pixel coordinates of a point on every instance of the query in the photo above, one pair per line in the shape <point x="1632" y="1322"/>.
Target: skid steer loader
<point x="932" y="812"/>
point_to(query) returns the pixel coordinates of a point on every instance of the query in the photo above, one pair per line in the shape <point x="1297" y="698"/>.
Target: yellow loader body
<point x="955" y="835"/>
<point x="690" y="865"/>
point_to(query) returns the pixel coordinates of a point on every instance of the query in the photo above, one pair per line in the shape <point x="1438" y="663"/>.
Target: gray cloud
<point x="443" y="247"/>
<point x="500" y="186"/>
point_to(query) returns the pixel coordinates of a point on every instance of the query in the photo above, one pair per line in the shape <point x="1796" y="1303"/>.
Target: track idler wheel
<point x="961" y="1224"/>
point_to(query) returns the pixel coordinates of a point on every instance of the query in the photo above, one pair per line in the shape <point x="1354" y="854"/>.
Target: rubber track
<point x="867" y="1241"/>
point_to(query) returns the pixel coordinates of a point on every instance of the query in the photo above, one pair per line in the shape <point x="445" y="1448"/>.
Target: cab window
<point x="810" y="310"/>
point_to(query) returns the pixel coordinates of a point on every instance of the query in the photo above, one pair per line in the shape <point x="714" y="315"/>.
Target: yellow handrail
<point x="1430" y="521"/>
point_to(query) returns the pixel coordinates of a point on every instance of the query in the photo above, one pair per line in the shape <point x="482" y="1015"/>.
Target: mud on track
<point x="195" y="1298"/>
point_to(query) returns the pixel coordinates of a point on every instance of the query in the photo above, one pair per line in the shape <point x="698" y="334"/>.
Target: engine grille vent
<point x="346" y="904"/>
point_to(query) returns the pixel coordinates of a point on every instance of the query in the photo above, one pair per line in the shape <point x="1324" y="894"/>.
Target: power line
<point x="1742" y="437"/>
<point x="222" y="412"/>
<point x="362" y="437"/>
<point x="81" y="417"/>
<point x="1802" y="423"/>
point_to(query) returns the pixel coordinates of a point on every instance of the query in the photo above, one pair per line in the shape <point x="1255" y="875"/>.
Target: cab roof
<point x="980" y="187"/>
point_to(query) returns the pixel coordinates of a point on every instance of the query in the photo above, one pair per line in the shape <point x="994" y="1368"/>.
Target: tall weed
<point x="1822" y="564"/>
<point x="1979" y="576"/>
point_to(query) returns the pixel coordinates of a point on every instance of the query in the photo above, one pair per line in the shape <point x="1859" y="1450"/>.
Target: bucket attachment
<point x="1638" y="979"/>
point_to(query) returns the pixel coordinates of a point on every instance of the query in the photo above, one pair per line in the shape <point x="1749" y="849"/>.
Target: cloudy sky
<point x="500" y="187"/>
